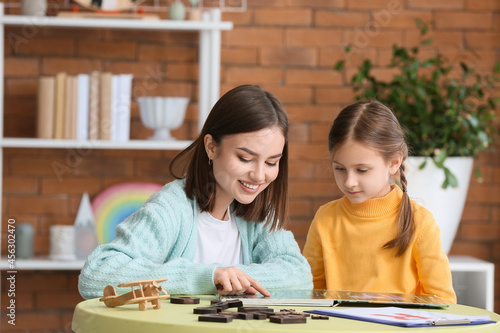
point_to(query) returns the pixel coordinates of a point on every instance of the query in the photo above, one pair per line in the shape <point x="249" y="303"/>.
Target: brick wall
<point x="286" y="46"/>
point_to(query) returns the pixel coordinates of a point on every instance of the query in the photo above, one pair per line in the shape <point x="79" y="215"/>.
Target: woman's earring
<point x="209" y="161"/>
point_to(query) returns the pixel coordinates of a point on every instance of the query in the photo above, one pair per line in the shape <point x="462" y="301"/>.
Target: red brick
<point x="301" y="189"/>
<point x="181" y="71"/>
<point x="239" y="56"/>
<point x="479" y="232"/>
<point x="315" y="77"/>
<point x="238" y="18"/>
<point x="254" y="36"/>
<point x="46" y="46"/>
<point x="307" y="152"/>
<point x="340" y="19"/>
<point x="401" y="20"/>
<point x="57" y="300"/>
<point x="51" y="66"/>
<point x="299" y="133"/>
<point x="468" y="248"/>
<point x="70" y="186"/>
<point x="360" y="39"/>
<point x="38" y="205"/>
<point x="482" y="40"/>
<point x="312" y="37"/>
<point x="106" y="49"/>
<point x="17" y="185"/>
<point x="289" y="56"/>
<point x="392" y="5"/>
<point x="33" y="320"/>
<point x="290" y="95"/>
<point x="474" y="213"/>
<point x="482" y="5"/>
<point x="343" y="96"/>
<point x="283" y="17"/>
<point x="313" y="113"/>
<point x="463" y="20"/>
<point x="485" y="194"/>
<point x="253" y="75"/>
<point x="436" y="4"/>
<point x="319" y="133"/>
<point x="299" y="169"/>
<point x="21" y="87"/>
<point x="300" y="208"/>
<point x="451" y="39"/>
<point x="21" y="67"/>
<point x="150" y="52"/>
<point x="299" y="226"/>
<point x="320" y="4"/>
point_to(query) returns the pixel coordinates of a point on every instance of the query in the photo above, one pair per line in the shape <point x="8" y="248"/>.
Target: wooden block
<point x="205" y="310"/>
<point x="244" y="315"/>
<point x="320" y="317"/>
<point x="288" y="319"/>
<point x="255" y="309"/>
<point x="185" y="300"/>
<point x="236" y="303"/>
<point x="220" y="305"/>
<point x="259" y="316"/>
<point x="215" y="318"/>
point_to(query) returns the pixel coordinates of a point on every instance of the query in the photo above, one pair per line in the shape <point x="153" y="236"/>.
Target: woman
<point x="219" y="226"/>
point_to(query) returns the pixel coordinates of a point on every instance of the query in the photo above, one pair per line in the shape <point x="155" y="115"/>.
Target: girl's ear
<point x="209" y="146"/>
<point x="395" y="163"/>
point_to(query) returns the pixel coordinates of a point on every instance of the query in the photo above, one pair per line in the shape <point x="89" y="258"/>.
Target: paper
<point x="404" y="317"/>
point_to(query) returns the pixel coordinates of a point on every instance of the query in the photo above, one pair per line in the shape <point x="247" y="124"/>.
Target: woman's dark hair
<point x="243" y="109"/>
<point x="373" y="124"/>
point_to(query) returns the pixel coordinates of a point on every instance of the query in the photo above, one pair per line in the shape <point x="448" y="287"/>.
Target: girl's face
<point x="361" y="173"/>
<point x="244" y="164"/>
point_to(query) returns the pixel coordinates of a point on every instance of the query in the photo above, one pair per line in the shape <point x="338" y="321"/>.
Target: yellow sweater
<point x="344" y="249"/>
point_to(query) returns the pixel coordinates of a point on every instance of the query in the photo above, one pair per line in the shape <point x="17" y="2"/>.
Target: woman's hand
<point x="233" y="281"/>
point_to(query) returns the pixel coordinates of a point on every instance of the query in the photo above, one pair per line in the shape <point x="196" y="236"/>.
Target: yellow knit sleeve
<point x="313" y="251"/>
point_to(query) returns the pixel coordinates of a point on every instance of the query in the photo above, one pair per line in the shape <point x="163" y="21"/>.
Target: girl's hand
<point x="233" y="281"/>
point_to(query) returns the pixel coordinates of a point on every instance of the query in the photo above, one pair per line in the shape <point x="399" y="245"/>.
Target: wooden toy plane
<point x="148" y="291"/>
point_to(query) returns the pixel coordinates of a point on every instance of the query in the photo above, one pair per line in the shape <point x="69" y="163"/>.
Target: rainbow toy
<point x="116" y="203"/>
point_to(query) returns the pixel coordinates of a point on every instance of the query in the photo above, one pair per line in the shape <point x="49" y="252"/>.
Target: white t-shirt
<point x="218" y="241"/>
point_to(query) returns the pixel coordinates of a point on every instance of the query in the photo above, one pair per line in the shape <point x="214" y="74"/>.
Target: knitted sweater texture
<point x="344" y="249"/>
<point x="160" y="241"/>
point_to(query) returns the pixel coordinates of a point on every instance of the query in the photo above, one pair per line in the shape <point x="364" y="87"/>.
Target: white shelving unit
<point x="209" y="30"/>
<point x="473" y="281"/>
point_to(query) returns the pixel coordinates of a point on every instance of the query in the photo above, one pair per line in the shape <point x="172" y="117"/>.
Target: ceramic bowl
<point x="162" y="114"/>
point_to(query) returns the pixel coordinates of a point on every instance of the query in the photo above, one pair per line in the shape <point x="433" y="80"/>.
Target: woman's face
<point x="244" y="164"/>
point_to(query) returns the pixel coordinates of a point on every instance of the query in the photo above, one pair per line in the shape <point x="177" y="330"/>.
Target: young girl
<point x="375" y="238"/>
<point x="219" y="226"/>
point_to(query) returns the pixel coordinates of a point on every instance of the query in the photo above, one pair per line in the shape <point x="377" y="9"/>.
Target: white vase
<point x="424" y="187"/>
<point x="33" y="7"/>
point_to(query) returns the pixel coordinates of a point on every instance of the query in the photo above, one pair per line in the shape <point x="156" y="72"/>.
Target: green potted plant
<point x="448" y="115"/>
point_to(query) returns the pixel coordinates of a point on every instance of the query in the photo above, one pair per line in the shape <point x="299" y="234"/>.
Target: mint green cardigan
<point x="160" y="240"/>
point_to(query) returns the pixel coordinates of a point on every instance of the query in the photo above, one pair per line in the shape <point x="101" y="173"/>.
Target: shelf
<point x="98" y="144"/>
<point x="473" y="281"/>
<point x="41" y="263"/>
<point x="52" y="21"/>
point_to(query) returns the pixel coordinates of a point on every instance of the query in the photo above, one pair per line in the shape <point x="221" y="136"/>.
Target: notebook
<point x="337" y="298"/>
<point x="404" y="317"/>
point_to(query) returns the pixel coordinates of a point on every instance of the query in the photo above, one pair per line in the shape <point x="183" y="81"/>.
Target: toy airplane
<point x="148" y="291"/>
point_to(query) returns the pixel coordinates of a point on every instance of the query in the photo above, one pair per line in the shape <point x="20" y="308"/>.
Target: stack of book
<point x="93" y="106"/>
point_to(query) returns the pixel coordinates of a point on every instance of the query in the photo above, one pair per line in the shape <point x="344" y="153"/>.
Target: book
<point x="329" y="298"/>
<point x="70" y="108"/>
<point x="404" y="317"/>
<point x="94" y="105"/>
<point x="45" y="107"/>
<point x="83" y="104"/>
<point x="59" y="109"/>
<point x="105" y="105"/>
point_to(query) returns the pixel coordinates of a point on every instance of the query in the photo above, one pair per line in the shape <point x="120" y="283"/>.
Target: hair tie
<point x="405" y="191"/>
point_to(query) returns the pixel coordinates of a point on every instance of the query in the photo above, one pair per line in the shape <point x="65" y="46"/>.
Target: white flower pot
<point x="424" y="187"/>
